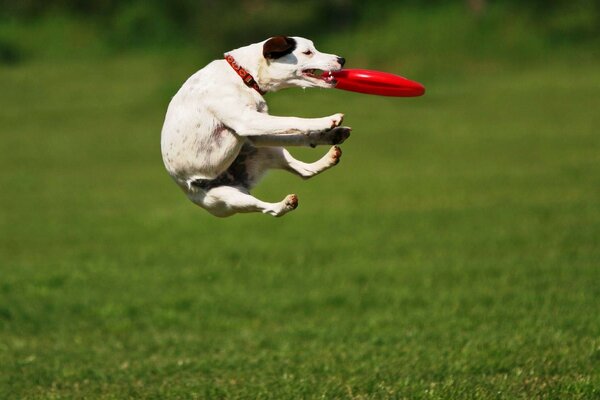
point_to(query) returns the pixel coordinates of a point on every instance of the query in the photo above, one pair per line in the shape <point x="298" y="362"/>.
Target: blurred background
<point x="470" y="30"/>
<point x="453" y="253"/>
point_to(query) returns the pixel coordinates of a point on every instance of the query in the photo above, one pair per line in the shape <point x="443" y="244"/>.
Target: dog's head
<point x="295" y="62"/>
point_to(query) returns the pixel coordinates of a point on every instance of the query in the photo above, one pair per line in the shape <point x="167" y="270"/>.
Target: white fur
<point x="214" y="115"/>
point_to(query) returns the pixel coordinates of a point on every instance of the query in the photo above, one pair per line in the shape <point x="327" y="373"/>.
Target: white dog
<point x="218" y="140"/>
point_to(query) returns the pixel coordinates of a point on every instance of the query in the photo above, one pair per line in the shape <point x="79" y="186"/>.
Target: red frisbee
<point x="375" y="82"/>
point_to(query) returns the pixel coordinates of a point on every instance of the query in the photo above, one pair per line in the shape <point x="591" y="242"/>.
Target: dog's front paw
<point x="336" y="120"/>
<point x="339" y="135"/>
<point x="332" y="136"/>
<point x="327" y="123"/>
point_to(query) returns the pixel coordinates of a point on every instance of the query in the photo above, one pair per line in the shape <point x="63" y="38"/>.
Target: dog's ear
<point x="278" y="46"/>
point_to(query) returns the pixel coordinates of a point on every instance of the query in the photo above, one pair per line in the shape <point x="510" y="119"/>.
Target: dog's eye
<point x="307" y="52"/>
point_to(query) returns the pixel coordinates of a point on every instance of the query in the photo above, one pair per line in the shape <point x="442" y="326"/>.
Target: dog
<point x="218" y="139"/>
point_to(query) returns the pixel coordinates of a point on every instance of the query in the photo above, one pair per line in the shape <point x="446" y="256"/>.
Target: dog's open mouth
<point x="320" y="74"/>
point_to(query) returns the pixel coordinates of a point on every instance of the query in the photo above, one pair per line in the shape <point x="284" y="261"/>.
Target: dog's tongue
<point x="375" y="82"/>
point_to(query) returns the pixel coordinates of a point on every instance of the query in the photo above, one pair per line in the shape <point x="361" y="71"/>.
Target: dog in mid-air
<point x="218" y="139"/>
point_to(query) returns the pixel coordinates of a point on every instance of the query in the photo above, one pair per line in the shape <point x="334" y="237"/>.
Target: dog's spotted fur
<point x="236" y="175"/>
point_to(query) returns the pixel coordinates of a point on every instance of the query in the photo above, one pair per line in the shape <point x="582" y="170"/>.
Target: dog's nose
<point x="341" y="60"/>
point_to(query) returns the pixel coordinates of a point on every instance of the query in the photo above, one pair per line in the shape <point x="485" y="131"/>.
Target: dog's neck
<point x="250" y="58"/>
<point x="246" y="76"/>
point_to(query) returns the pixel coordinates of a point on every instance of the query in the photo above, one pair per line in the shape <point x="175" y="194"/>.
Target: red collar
<point x="245" y="75"/>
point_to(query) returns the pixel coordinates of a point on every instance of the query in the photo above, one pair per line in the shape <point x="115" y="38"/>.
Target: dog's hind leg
<point x="224" y="201"/>
<point x="280" y="158"/>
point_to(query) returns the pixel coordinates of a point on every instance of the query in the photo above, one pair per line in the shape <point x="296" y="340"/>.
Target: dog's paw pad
<point x="288" y="204"/>
<point x="336" y="154"/>
<point x="291" y="201"/>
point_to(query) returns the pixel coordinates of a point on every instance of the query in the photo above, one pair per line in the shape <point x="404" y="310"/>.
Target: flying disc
<point x="375" y="82"/>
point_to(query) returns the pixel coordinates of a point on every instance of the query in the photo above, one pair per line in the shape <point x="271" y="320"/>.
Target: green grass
<point x="453" y="254"/>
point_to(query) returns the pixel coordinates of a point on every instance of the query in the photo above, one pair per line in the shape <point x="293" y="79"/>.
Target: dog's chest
<point x="195" y="141"/>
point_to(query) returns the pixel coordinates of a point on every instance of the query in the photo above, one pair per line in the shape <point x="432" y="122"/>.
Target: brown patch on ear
<point x="278" y="46"/>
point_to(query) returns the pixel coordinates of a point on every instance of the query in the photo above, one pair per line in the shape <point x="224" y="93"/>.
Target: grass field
<point x="453" y="254"/>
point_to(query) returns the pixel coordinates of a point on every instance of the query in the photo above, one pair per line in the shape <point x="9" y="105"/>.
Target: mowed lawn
<point x="454" y="253"/>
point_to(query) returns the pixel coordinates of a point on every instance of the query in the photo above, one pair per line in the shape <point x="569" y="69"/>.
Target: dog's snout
<point x="341" y="60"/>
